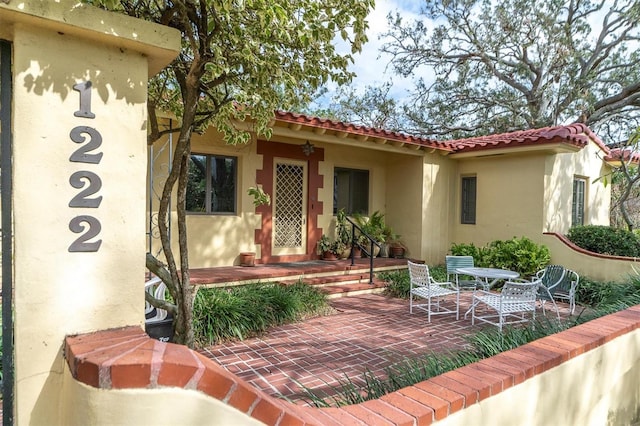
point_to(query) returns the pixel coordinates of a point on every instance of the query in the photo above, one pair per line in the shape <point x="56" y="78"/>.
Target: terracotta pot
<point x="396" y="252"/>
<point x="329" y="255"/>
<point x="247" y="259"/>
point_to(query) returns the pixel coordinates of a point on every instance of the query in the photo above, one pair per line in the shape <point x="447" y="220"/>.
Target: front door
<point x="289" y="207"/>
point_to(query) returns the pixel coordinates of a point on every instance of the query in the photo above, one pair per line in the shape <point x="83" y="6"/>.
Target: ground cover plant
<point x="595" y="298"/>
<point x="221" y="314"/>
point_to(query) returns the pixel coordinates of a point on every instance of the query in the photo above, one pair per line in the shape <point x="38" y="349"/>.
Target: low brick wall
<point x="128" y="359"/>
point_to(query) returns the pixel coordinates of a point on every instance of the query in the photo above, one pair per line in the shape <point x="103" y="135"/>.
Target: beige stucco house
<point x="432" y="193"/>
<point x="73" y="77"/>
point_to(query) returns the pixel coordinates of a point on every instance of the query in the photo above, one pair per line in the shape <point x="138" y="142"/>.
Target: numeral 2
<point x="82" y="244"/>
<point x="82" y="199"/>
<point x="81" y="155"/>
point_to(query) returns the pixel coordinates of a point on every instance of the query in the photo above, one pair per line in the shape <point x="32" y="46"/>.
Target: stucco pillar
<point x="79" y="142"/>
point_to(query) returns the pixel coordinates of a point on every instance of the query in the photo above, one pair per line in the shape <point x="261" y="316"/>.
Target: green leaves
<point x="605" y="240"/>
<point x="263" y="55"/>
<point x="559" y="62"/>
<point x="221" y="314"/>
<point x="518" y="254"/>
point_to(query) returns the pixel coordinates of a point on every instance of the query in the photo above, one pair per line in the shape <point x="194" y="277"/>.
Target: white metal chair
<point x="156" y="288"/>
<point x="455" y="262"/>
<point x="423" y="286"/>
<point x="512" y="305"/>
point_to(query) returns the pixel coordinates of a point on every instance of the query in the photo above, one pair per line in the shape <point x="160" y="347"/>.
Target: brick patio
<point x="366" y="332"/>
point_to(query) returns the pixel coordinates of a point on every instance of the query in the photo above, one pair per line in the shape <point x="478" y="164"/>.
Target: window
<point x="351" y="190"/>
<point x="211" y="187"/>
<point x="468" y="205"/>
<point x="577" y="204"/>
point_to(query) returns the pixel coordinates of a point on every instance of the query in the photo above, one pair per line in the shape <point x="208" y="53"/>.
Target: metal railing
<point x="355" y="242"/>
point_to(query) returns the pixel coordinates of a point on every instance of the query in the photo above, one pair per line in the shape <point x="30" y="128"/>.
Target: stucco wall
<point x="214" y="240"/>
<point x="395" y="179"/>
<point x="528" y="194"/>
<point x="560" y="171"/>
<point x="86" y="405"/>
<point x="57" y="45"/>
<point x="591" y="265"/>
<point x="509" y="198"/>
<point x="599" y="387"/>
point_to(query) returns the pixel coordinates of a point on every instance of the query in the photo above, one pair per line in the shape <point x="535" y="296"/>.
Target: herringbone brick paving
<point x="366" y="332"/>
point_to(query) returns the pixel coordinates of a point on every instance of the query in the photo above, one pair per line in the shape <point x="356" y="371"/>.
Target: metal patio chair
<point x="156" y="288"/>
<point x="512" y="305"/>
<point x="425" y="287"/>
<point x="551" y="277"/>
<point x="564" y="289"/>
<point x="465" y="284"/>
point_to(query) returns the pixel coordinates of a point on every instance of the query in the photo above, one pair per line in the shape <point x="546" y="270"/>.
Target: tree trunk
<point x="180" y="285"/>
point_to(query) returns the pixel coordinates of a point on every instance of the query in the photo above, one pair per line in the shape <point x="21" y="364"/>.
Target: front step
<point x="336" y="286"/>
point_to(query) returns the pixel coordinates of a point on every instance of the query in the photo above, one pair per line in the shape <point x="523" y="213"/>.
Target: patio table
<point x="486" y="274"/>
<point x="494" y="274"/>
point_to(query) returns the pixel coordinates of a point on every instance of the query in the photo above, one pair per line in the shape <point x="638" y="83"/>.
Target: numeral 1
<point x="85" y="100"/>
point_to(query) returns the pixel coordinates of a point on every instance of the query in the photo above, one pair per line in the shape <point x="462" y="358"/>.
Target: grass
<point x="222" y="314"/>
<point x="602" y="298"/>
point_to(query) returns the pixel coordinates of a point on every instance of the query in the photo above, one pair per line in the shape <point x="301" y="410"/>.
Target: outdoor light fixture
<point x="307" y="148"/>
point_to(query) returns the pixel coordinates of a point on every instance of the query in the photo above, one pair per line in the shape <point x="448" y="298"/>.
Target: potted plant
<point x="388" y="236"/>
<point x="341" y="249"/>
<point x="248" y="258"/>
<point x="343" y="235"/>
<point x="397" y="248"/>
<point x="374" y="227"/>
<point x="327" y="248"/>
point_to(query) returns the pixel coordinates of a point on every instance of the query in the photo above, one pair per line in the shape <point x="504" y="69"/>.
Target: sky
<point x="370" y="66"/>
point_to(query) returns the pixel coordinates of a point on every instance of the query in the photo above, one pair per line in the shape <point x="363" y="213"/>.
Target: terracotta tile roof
<point x="576" y="134"/>
<point x="623" y="155"/>
<point x="339" y="126"/>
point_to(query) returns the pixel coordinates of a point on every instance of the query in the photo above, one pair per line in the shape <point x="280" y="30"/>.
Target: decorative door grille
<point x="289" y="212"/>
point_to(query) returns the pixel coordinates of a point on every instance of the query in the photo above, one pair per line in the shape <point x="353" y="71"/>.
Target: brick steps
<point x="350" y="284"/>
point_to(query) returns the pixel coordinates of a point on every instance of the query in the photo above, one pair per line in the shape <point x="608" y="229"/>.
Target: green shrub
<point x="517" y="254"/>
<point x="605" y="240"/>
<point x="397" y="283"/>
<point x="468" y="250"/>
<point x="601" y="295"/>
<point x="221" y="314"/>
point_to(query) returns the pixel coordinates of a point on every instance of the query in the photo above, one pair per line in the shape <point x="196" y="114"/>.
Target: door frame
<point x="288" y="251"/>
<point x="270" y="150"/>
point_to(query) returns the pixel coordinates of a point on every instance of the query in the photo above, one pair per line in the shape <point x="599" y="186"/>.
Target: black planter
<point x="160" y="330"/>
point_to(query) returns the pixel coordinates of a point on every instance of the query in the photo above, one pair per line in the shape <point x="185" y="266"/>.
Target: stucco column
<point x="79" y="142"/>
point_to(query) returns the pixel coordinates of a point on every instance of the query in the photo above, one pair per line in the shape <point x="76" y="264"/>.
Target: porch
<point x="367" y="331"/>
<point x="337" y="278"/>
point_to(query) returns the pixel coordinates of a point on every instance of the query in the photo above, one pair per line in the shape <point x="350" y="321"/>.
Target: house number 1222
<point x="88" y="182"/>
